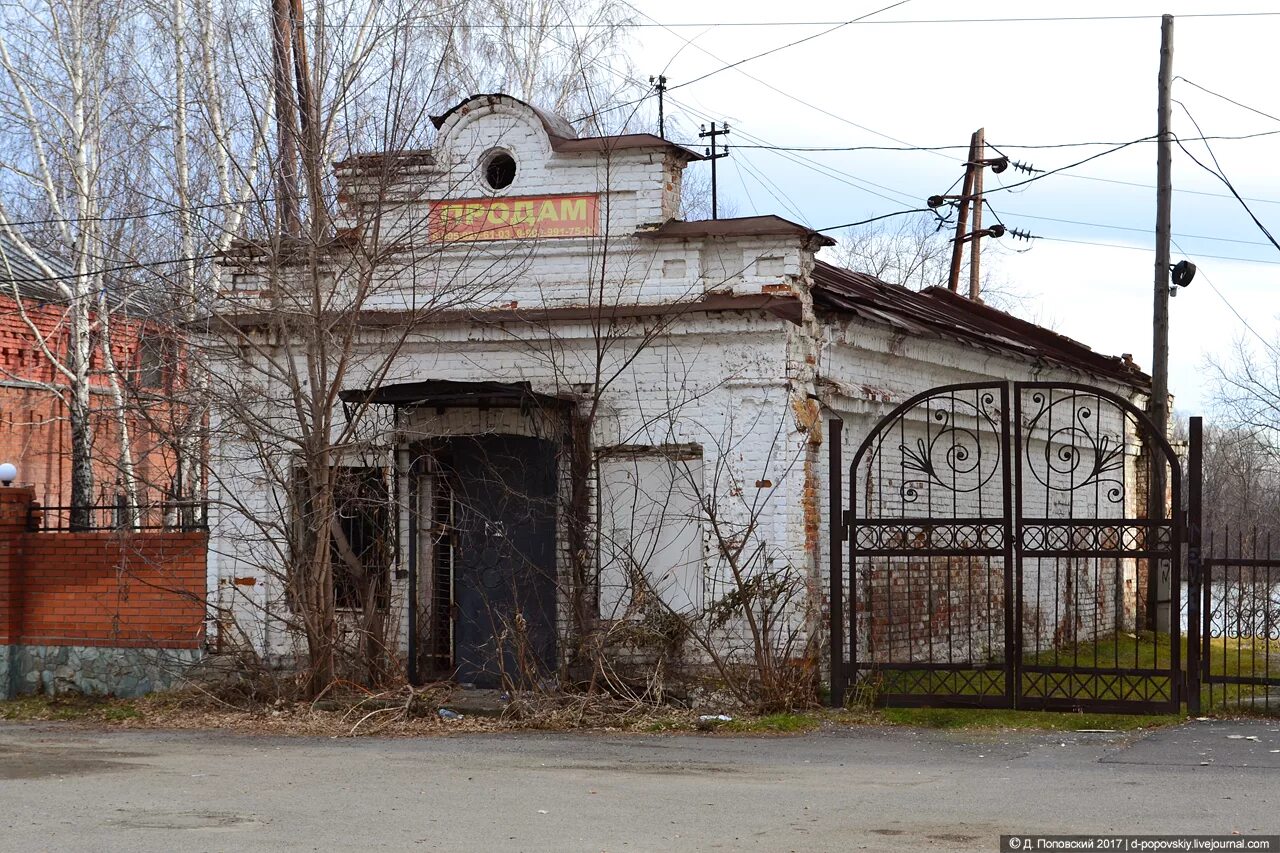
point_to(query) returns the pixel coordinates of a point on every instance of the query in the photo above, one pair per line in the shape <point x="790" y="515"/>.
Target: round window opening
<point x="499" y="170"/>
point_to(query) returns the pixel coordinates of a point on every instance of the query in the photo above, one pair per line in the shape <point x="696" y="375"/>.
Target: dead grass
<point x="401" y="713"/>
<point x="404" y="713"/>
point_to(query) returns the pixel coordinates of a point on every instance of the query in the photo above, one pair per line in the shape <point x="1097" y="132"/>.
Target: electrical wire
<point x="791" y="44"/>
<point x="775" y="89"/>
<point x="1112" y="227"/>
<point x="1218" y="173"/>
<point x="1045" y="174"/>
<point x="1200" y="273"/>
<point x="774" y="24"/>
<point x="875" y="219"/>
<point x="813" y="165"/>
<point x="774" y="191"/>
<point x="1228" y="100"/>
<point x="1147" y="249"/>
<point x="991" y="145"/>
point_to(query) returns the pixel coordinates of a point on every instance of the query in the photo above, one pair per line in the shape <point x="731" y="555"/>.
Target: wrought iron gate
<point x="1001" y="552"/>
<point x="1232" y="608"/>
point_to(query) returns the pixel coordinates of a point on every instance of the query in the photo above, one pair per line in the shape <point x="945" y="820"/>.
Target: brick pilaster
<point x="14" y="505"/>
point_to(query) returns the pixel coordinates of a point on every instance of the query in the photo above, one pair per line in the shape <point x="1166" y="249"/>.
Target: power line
<point x="1046" y="145"/>
<point x="771" y="87"/>
<point x="1175" y="189"/>
<point x="1112" y="227"/>
<point x="1146" y="249"/>
<point x="801" y="160"/>
<point x="786" y="202"/>
<point x="875" y="219"/>
<point x="1202" y="274"/>
<point x="774" y="24"/>
<point x="813" y="165"/>
<point x="1218" y="173"/>
<point x="1043" y="175"/>
<point x="791" y="44"/>
<point x="1228" y="100"/>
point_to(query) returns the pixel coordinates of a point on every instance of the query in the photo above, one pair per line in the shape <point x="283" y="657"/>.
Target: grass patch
<point x="69" y="709"/>
<point x="1001" y="718"/>
<point x="788" y="723"/>
<point x="1247" y="657"/>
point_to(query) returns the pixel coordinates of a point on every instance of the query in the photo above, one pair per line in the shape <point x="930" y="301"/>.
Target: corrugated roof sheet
<point x="17" y="264"/>
<point x="937" y="312"/>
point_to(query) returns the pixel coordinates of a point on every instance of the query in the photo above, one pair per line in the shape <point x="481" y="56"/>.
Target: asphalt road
<point x="63" y="788"/>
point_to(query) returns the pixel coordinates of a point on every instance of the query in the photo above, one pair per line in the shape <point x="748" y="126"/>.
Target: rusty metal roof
<point x="742" y="226"/>
<point x="937" y="312"/>
<point x="621" y="142"/>
<point x="410" y="158"/>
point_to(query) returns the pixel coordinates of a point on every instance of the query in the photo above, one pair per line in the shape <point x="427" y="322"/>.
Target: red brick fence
<point x="115" y="611"/>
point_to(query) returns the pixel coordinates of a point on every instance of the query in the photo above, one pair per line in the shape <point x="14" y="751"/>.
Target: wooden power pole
<point x="970" y="198"/>
<point x="962" y="217"/>
<point x="1159" y="587"/>
<point x="978" y="149"/>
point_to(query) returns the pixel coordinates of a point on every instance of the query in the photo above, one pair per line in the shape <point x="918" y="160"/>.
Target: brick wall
<point x="112" y="589"/>
<point x="34" y="427"/>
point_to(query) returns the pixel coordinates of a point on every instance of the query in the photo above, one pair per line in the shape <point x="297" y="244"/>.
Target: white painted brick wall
<point x="738" y="384"/>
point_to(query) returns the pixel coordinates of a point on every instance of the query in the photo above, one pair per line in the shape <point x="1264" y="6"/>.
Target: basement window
<point x="499" y="170"/>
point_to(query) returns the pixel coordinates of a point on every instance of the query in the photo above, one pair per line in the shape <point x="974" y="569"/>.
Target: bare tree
<point x="915" y="251"/>
<point x="565" y="55"/>
<point x="321" y="295"/>
<point x="64" y="132"/>
<point x="1242" y="443"/>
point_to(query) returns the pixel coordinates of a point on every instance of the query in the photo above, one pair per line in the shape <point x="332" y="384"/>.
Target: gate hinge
<point x="844" y="525"/>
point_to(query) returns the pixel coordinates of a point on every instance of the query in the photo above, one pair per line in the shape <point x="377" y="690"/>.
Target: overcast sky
<point x="1027" y="83"/>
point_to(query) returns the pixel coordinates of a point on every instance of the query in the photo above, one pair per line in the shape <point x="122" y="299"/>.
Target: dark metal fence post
<point x="835" y="510"/>
<point x="1195" y="459"/>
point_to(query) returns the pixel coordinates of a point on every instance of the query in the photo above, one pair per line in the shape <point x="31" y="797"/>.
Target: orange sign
<point x="519" y="218"/>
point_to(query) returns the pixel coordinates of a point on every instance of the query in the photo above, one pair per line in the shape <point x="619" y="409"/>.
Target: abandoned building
<point x="578" y="410"/>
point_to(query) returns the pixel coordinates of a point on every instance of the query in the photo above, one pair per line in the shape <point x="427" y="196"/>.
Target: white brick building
<point x="589" y="392"/>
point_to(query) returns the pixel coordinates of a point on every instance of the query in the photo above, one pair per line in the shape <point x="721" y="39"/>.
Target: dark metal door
<point x="505" y="567"/>
<point x="999" y="547"/>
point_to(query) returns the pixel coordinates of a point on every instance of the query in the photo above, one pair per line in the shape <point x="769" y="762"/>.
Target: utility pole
<point x="962" y="217"/>
<point x="713" y="157"/>
<point x="1159" y="588"/>
<point x="971" y="196"/>
<point x="660" y="86"/>
<point x="979" y="146"/>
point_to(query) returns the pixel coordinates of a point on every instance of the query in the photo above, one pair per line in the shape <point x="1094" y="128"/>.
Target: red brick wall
<point x="34" y="431"/>
<point x="139" y="590"/>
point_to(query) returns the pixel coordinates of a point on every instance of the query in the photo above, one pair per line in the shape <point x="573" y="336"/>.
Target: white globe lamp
<point x="8" y="473"/>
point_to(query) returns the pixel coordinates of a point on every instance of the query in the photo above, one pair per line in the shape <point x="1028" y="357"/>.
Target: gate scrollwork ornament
<point x="1066" y="448"/>
<point x="957" y="458"/>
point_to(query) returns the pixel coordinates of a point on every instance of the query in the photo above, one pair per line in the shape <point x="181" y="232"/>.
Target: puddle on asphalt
<point x="28" y="762"/>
